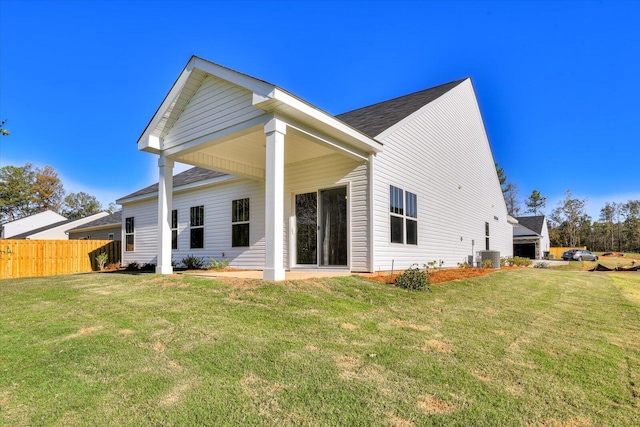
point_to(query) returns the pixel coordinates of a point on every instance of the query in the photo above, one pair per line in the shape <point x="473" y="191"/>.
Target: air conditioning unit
<point x="494" y="256"/>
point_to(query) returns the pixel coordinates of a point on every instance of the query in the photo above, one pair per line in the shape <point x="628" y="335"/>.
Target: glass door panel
<point x="307" y="228"/>
<point x="332" y="232"/>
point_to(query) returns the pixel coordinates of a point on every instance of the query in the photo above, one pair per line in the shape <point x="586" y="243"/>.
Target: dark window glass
<point x="412" y="205"/>
<point x="486" y="233"/>
<point x="240" y="210"/>
<point x="412" y="232"/>
<point x="395" y="201"/>
<point x="196" y="221"/>
<point x="129" y="225"/>
<point x="240" y="235"/>
<point x="197" y="216"/>
<point x="396" y="229"/>
<point x="197" y="238"/>
<point x="129" y="229"/>
<point x="129" y="244"/>
<point x="174" y="229"/>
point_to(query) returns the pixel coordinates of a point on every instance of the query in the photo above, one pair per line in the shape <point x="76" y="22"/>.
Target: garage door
<point x="525" y="250"/>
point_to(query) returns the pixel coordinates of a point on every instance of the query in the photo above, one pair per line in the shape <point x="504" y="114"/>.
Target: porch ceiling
<point x="245" y="153"/>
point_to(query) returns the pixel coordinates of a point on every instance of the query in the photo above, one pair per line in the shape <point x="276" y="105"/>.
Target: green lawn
<point x="518" y="347"/>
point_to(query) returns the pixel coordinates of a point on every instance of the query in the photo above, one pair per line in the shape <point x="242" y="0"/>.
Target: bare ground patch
<point x="434" y="406"/>
<point x="81" y="332"/>
<point x="396" y="421"/>
<point x="435" y="345"/>
<point x="402" y="324"/>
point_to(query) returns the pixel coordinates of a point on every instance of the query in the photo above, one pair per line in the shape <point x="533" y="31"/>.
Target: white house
<point x="29" y="223"/>
<point x="58" y="230"/>
<point x="404" y="181"/>
<point x="531" y="237"/>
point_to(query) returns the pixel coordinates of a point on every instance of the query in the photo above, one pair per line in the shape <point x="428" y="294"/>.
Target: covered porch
<point x="219" y="119"/>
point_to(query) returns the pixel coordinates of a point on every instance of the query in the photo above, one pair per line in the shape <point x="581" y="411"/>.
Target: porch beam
<point x="324" y="140"/>
<point x="223" y="165"/>
<point x="165" y="196"/>
<point x="275" y="131"/>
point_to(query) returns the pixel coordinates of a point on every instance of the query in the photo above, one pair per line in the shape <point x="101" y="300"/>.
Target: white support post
<point x="275" y="130"/>
<point x="165" y="196"/>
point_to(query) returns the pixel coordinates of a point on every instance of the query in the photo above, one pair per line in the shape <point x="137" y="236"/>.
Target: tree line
<point x="25" y="190"/>
<point x="616" y="229"/>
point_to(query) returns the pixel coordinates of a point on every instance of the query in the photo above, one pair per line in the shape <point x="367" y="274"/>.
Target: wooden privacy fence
<point x="37" y="258"/>
<point x="557" y="252"/>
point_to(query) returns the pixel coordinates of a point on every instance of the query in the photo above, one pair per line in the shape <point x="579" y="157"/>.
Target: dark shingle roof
<point x="113" y="219"/>
<point x="376" y="118"/>
<point x="533" y="223"/>
<point x="189" y="176"/>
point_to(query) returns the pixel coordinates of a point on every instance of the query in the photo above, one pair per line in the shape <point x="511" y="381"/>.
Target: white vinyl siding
<point x="442" y="155"/>
<point x="330" y="172"/>
<point x="216" y="200"/>
<point x="216" y="105"/>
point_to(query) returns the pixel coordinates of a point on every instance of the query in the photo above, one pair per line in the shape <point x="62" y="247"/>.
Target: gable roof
<point x="41" y="229"/>
<point x="190" y="176"/>
<point x="376" y="118"/>
<point x="115" y="219"/>
<point x="533" y="223"/>
<point x="370" y="120"/>
<point x="64" y="226"/>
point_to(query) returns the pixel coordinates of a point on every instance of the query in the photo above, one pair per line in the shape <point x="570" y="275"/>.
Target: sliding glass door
<point x="322" y="228"/>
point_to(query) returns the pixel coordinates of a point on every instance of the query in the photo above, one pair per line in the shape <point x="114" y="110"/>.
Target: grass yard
<point x="518" y="347"/>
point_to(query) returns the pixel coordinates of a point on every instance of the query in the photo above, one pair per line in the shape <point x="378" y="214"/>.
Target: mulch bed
<point x="438" y="276"/>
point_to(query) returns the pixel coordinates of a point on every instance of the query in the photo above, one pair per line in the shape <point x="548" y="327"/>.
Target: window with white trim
<point x="240" y="223"/>
<point x="129" y="233"/>
<point x="110" y="236"/>
<point x="174" y="229"/>
<point x="403" y="216"/>
<point x="196" y="224"/>
<point x="486" y="235"/>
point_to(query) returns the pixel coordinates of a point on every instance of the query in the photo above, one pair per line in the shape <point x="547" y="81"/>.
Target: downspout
<point x="370" y="213"/>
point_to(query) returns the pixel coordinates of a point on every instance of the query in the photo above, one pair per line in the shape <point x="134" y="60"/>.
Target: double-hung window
<point x="129" y="234"/>
<point x="486" y="235"/>
<point x="196" y="224"/>
<point x="240" y="223"/>
<point x="174" y="229"/>
<point x="403" y="209"/>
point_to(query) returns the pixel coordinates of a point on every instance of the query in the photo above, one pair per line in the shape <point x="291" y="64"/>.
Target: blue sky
<point x="557" y="82"/>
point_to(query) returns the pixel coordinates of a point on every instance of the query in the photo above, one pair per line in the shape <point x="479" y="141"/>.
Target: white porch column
<point x="165" y="196"/>
<point x="275" y="131"/>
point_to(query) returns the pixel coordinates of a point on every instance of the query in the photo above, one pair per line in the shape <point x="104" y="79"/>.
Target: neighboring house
<point x="531" y="237"/>
<point x="28" y="223"/>
<point x="108" y="227"/>
<point x="404" y="181"/>
<point x="58" y="230"/>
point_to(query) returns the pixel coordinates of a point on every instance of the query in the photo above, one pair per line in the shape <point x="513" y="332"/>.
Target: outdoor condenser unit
<point x="494" y="256"/>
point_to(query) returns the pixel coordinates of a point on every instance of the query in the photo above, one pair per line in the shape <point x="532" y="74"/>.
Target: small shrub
<point x="487" y="263"/>
<point x="193" y="262"/>
<point x="516" y="261"/>
<point x="133" y="266"/>
<point x="435" y="265"/>
<point x="214" y="264"/>
<point x="414" y="279"/>
<point x="541" y="265"/>
<point x="102" y="260"/>
<point x="464" y="265"/>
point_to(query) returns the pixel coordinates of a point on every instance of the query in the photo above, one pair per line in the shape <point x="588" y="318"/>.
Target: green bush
<point x="102" y="260"/>
<point x="516" y="261"/>
<point x="193" y="262"/>
<point x="414" y="279"/>
<point x="214" y="264"/>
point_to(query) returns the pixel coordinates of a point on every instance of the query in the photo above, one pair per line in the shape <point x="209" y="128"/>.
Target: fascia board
<point x="180" y="189"/>
<point x="285" y="103"/>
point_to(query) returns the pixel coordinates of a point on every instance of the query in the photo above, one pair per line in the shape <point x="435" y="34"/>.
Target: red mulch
<point x="438" y="276"/>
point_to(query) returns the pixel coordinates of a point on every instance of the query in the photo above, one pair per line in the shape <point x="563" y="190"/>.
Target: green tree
<point x="16" y="192"/>
<point x="80" y="205"/>
<point x="47" y="190"/>
<point x="535" y="203"/>
<point x="3" y="131"/>
<point x="570" y="218"/>
<point x="511" y="199"/>
<point x="501" y="177"/>
<point x="631" y="213"/>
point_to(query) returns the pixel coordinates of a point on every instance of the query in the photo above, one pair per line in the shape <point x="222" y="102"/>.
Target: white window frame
<point x="403" y="205"/>
<point x="174" y="229"/>
<point x="129" y="232"/>
<point x="199" y="225"/>
<point x="246" y="219"/>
